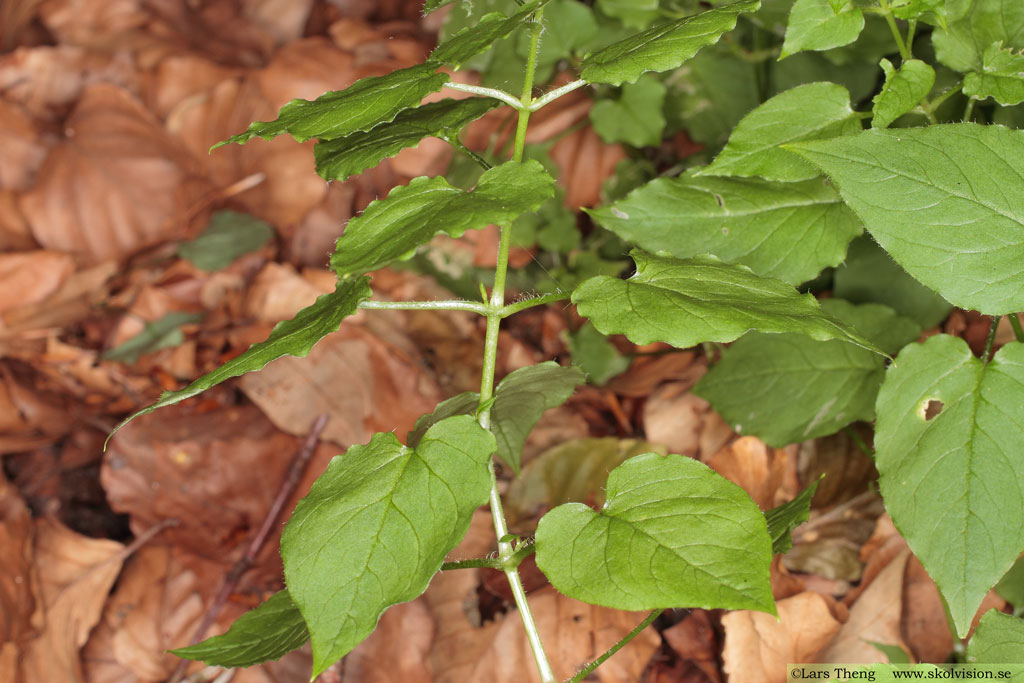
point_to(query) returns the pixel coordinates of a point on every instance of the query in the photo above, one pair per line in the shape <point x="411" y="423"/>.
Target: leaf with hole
<point x="363" y="105"/>
<point x="821" y="25"/>
<point x="376" y="527"/>
<point x="662" y="47"/>
<point x="936" y="199"/>
<point x="340" y="158"/>
<point x="814" y="388"/>
<point x="806" y="112"/>
<point x="295" y="337"/>
<point x="684" y="302"/>
<point x="265" y="633"/>
<point x="411" y="215"/>
<point x="947" y="439"/>
<point x="903" y="90"/>
<point x="788" y="231"/>
<point x="672" y="533"/>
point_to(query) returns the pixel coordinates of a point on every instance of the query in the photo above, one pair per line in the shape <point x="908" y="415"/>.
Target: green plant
<point x="722" y="248"/>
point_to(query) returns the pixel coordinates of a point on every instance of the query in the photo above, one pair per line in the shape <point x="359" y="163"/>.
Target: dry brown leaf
<point x="758" y="648"/>
<point x="767" y="474"/>
<point x="216" y="472"/>
<point x="585" y="163"/>
<point x="91" y="22"/>
<point x="694" y="640"/>
<point x="24" y="147"/>
<point x="73" y="576"/>
<point x="848" y="470"/>
<point x="46" y="80"/>
<point x="647" y="372"/>
<point x="115" y="184"/>
<point x="26" y="412"/>
<point x="74" y="301"/>
<point x="14" y="231"/>
<point x="285" y="20"/>
<point x="398" y="650"/>
<point x="180" y="77"/>
<point x="29" y="277"/>
<point x="875" y="616"/>
<point x="16" y="603"/>
<point x="924" y="626"/>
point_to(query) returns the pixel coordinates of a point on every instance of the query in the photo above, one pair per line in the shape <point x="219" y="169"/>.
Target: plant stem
<point x="616" y="647"/>
<point x="486" y="92"/>
<point x="475" y="563"/>
<point x="452" y="305"/>
<point x="889" y="19"/>
<point x="1015" y="324"/>
<point x="505" y="550"/>
<point x="455" y="142"/>
<point x="991" y="339"/>
<point x="852" y="434"/>
<point x="511" y="309"/>
<point x="969" y="109"/>
<point x="552" y="95"/>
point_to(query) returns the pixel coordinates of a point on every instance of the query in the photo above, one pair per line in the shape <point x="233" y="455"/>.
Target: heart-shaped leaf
<point x="376" y="527"/>
<point x="672" y="533"/>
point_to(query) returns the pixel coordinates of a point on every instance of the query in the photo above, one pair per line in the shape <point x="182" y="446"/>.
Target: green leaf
<point x="869" y="275"/>
<point x="343" y="157"/>
<point x="788" y="231"/>
<point x="903" y="90"/>
<point x="936" y="199"/>
<point x="228" y="235"/>
<point x="268" y="632"/>
<point x="376" y="527"/>
<point x="636" y="14"/>
<point x="1011" y="586"/>
<point x="893" y="653"/>
<point x="821" y="25"/>
<point x="963" y="46"/>
<point x="1001" y="77"/>
<point x="295" y="337"/>
<point x="164" y="333"/>
<point x="472" y="40"/>
<point x="571" y="472"/>
<point x="519" y="401"/>
<point x="672" y="533"/>
<point x="999" y="639"/>
<point x="662" y="47"/>
<point x="931" y="11"/>
<point x="782" y="520"/>
<point x="686" y="302"/>
<point x="569" y="26"/>
<point x="952" y="481"/>
<point x="635" y="117"/>
<point x="432" y="5"/>
<point x="807" y="112"/>
<point x="411" y="215"/>
<point x="815" y="387"/>
<point x="366" y="103"/>
<point x="595" y="355"/>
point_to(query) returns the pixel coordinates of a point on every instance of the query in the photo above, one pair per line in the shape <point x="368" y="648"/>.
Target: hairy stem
<point x="990" y="341"/>
<point x="486" y="92"/>
<point x="494" y="316"/>
<point x="889" y="19"/>
<point x="450" y="305"/>
<point x="511" y="309"/>
<point x="616" y="647"/>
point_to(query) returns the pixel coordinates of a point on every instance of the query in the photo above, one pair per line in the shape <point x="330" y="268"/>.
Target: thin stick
<point x="616" y="647"/>
<point x="234" y="575"/>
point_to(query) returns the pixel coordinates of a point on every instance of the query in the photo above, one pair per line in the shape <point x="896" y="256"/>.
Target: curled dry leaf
<point x="758" y="647"/>
<point x="115" y="184"/>
<point x="73" y="575"/>
<point x="768" y="475"/>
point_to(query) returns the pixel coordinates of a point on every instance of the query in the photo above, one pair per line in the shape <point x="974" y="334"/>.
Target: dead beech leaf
<point x="585" y="162"/>
<point x="367" y="381"/>
<point x="694" y="640"/>
<point x="768" y="475"/>
<point x="216" y="472"/>
<point x="875" y="616"/>
<point x="74" y="573"/>
<point x="758" y="648"/>
<point x="14" y="231"/>
<point x="24" y="148"/>
<point x="46" y="80"/>
<point x="115" y="184"/>
<point x="648" y="372"/>
<point x="29" y="277"/>
<point x="180" y="77"/>
<point x="16" y="603"/>
<point x="91" y="22"/>
<point x="924" y="625"/>
<point x="285" y="20"/>
<point x="398" y="650"/>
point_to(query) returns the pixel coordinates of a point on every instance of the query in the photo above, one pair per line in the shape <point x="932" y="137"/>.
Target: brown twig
<point x="234" y="575"/>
